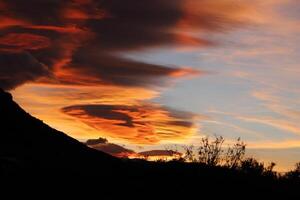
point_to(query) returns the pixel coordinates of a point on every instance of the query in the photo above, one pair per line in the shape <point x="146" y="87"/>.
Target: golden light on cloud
<point x="120" y="114"/>
<point x="140" y="123"/>
<point x="222" y="13"/>
<point x="186" y="72"/>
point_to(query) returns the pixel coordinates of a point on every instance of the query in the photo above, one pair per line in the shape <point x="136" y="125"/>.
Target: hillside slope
<point x="28" y="143"/>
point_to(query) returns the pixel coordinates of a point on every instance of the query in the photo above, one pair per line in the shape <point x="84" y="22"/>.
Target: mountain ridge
<point x="27" y="142"/>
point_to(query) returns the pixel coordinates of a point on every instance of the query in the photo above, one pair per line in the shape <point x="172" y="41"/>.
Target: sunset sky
<point x="150" y="73"/>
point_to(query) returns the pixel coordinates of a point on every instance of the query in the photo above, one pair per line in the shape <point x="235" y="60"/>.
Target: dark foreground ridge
<point x="32" y="153"/>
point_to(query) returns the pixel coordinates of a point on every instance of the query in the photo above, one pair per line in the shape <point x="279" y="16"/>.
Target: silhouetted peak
<point x="27" y="141"/>
<point x="5" y="96"/>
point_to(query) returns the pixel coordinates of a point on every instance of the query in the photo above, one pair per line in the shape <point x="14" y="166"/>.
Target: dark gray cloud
<point x="110" y="112"/>
<point x="102" y="144"/>
<point x="84" y="38"/>
<point x="96" y="141"/>
<point x="18" y="68"/>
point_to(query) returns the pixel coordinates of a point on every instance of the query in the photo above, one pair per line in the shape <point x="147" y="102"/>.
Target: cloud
<point x="160" y="153"/>
<point x="82" y="40"/>
<point x="287" y="116"/>
<point x="105" y="69"/>
<point x="96" y="141"/>
<point x="281" y="124"/>
<point x="115" y="150"/>
<point x="141" y="124"/>
<point x="18" y="68"/>
<point x="102" y="144"/>
<point x="23" y="41"/>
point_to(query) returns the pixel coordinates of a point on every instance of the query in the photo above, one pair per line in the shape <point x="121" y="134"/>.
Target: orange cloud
<point x="45" y="100"/>
<point x="142" y="123"/>
<point x="215" y="15"/>
<point x="68" y="29"/>
<point x="73" y="13"/>
<point x="82" y="10"/>
<point x="7" y="22"/>
<point x="185" y="72"/>
<point x="154" y="155"/>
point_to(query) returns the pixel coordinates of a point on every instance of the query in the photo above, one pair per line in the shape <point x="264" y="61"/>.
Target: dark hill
<point x="27" y="143"/>
<point x="36" y="156"/>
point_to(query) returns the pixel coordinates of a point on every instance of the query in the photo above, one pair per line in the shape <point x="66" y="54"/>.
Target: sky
<point x="150" y="73"/>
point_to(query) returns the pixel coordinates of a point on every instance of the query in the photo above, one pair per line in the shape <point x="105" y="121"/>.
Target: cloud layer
<point x="81" y="43"/>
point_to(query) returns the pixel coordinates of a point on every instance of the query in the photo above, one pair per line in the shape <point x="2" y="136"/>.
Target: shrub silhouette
<point x="294" y="174"/>
<point x="212" y="153"/>
<point x="189" y="155"/>
<point x="252" y="166"/>
<point x="235" y="154"/>
<point x="269" y="170"/>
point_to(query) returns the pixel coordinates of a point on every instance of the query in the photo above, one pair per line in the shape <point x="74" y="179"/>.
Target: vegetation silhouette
<point x="34" y="155"/>
<point x="212" y="153"/>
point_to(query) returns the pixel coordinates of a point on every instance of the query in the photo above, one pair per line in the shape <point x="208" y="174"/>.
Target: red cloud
<point x="23" y="41"/>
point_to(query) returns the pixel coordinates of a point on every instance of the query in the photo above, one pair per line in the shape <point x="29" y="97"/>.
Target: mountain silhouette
<point x="29" y="144"/>
<point x="33" y="152"/>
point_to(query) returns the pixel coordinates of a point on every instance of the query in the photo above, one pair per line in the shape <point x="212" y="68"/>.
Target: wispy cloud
<point x="288" y="117"/>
